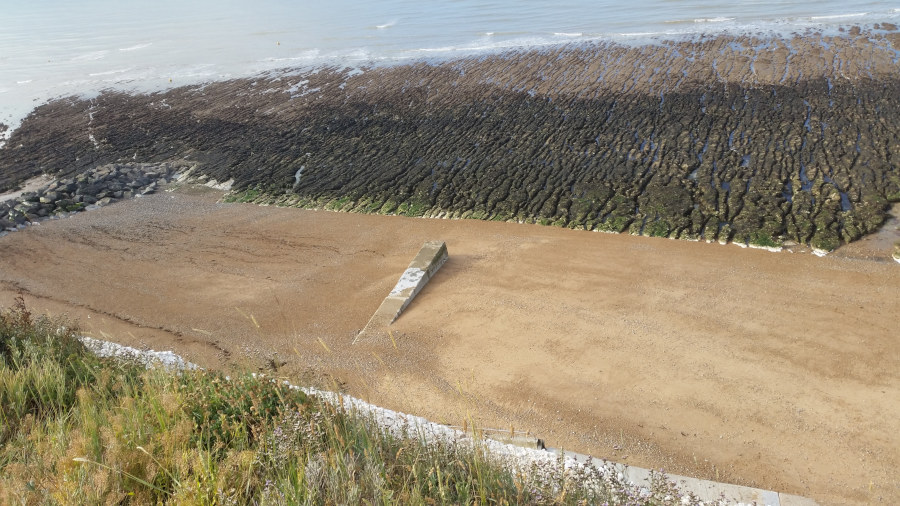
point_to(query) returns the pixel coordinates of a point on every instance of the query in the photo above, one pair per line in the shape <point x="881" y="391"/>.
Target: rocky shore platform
<point x="757" y="140"/>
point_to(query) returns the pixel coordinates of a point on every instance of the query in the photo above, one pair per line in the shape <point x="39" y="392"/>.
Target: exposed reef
<point x="752" y="140"/>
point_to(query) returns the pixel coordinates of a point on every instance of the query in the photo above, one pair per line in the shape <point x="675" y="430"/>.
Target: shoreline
<point x="349" y="59"/>
<point x="888" y="229"/>
<point x="885" y="239"/>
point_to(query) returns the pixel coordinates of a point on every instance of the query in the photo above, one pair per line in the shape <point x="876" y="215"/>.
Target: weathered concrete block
<point x="430" y="258"/>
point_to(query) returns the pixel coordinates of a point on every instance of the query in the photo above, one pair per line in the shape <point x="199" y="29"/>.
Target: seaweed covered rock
<point x="754" y="140"/>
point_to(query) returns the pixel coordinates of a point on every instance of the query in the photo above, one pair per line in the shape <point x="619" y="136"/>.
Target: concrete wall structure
<point x="705" y="490"/>
<point x="430" y="258"/>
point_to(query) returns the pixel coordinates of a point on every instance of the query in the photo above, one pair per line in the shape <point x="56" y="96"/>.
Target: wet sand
<point x="764" y="369"/>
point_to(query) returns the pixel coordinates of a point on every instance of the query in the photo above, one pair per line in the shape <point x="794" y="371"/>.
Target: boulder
<point x="26" y="207"/>
<point x="139" y="183"/>
<point x="17" y="217"/>
<point x="49" y="197"/>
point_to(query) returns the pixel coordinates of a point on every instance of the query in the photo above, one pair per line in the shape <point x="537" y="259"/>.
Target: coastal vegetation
<point x="77" y="428"/>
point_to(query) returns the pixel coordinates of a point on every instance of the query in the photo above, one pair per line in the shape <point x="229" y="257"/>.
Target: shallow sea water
<point x="56" y="48"/>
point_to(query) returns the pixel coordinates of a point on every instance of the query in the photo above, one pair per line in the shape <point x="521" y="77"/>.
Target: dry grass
<point x="78" y="429"/>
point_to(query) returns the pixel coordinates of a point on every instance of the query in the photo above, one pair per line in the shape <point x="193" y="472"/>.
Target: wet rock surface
<point x="97" y="187"/>
<point x="751" y="140"/>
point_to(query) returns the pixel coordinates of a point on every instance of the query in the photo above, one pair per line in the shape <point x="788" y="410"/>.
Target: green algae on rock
<point x="744" y="139"/>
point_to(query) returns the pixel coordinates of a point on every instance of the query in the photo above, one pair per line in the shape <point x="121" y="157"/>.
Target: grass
<point x="244" y="196"/>
<point x="77" y="428"/>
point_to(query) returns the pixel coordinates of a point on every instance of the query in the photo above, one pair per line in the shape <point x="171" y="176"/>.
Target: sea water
<point x="53" y="48"/>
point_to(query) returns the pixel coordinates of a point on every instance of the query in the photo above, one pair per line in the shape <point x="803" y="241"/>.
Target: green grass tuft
<point x="76" y="428"/>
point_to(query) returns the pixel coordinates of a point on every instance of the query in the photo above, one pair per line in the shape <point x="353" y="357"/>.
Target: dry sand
<point x="780" y="371"/>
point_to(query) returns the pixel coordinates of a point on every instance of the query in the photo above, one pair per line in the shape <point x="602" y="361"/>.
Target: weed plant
<point x="79" y="429"/>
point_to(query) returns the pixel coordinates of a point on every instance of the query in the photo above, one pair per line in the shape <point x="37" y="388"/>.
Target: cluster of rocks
<point x="760" y="141"/>
<point x="94" y="188"/>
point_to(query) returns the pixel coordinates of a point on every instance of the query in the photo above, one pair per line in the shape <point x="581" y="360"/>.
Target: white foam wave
<point x="312" y="54"/>
<point x="839" y="16"/>
<point x="720" y="19"/>
<point x="73" y="83"/>
<point x="483" y="45"/>
<point x="26" y="81"/>
<point x="110" y="72"/>
<point x="93" y="55"/>
<point x="386" y="25"/>
<point x="640" y="34"/>
<point x="564" y="34"/>
<point x="360" y="54"/>
<point x="136" y="47"/>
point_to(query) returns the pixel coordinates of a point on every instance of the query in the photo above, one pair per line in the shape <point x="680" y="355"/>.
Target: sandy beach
<point x="776" y="370"/>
